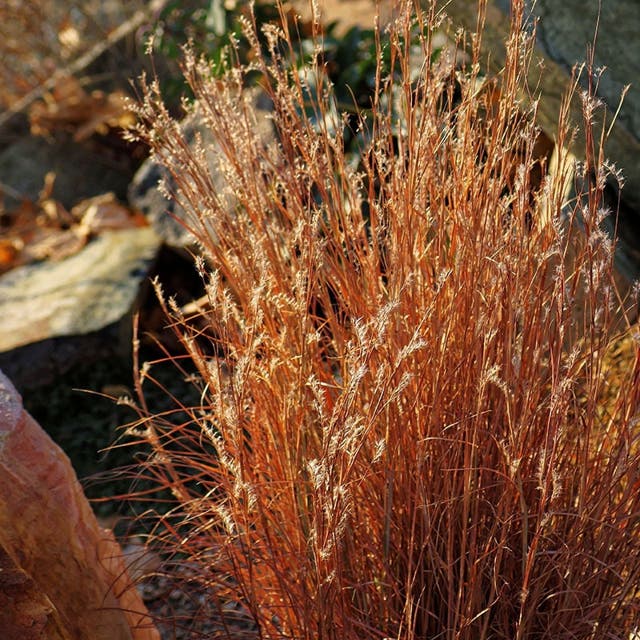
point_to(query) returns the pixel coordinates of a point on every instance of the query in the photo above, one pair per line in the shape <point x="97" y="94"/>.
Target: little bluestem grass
<point x="401" y="359"/>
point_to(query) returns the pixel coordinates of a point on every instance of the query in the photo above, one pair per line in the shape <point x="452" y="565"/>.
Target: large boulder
<point x="565" y="32"/>
<point x="62" y="577"/>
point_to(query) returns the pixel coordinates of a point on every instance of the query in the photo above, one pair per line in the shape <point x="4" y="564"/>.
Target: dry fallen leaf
<point x="45" y="230"/>
<point x="55" y="214"/>
<point x="53" y="244"/>
<point x="105" y="212"/>
<point x="8" y="252"/>
<point x="70" y="108"/>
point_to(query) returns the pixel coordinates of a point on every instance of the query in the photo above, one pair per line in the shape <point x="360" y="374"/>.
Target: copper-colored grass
<point x="399" y="433"/>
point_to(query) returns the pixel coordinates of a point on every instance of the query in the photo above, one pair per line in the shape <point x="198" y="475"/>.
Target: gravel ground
<point x="185" y="610"/>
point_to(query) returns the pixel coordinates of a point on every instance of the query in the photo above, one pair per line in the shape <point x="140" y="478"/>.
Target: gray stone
<point x="564" y="33"/>
<point x="165" y="215"/>
<point x="566" y="29"/>
<point x="55" y="314"/>
<point x="81" y="172"/>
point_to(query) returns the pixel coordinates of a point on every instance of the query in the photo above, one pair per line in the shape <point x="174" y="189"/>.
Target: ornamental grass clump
<point x="401" y="430"/>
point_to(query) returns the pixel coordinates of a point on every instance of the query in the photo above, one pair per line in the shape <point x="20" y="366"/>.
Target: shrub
<point x="400" y="360"/>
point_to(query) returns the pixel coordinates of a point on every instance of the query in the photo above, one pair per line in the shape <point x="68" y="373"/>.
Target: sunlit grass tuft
<point x="400" y="362"/>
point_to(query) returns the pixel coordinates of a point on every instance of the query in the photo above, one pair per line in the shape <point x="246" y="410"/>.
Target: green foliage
<point x="210" y="27"/>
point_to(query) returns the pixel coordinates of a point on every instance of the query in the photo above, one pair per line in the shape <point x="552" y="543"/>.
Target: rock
<point x="81" y="171"/>
<point x="564" y="33"/>
<point x="55" y="314"/>
<point x="164" y="215"/>
<point x="61" y="576"/>
<point x="565" y="30"/>
<point x="25" y="612"/>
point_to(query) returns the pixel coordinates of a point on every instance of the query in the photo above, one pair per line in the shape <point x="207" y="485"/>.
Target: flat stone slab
<point x="55" y="314"/>
<point x="81" y="294"/>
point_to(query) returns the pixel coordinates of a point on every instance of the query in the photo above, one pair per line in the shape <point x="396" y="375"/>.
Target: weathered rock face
<point x="25" y="612"/>
<point x="61" y="575"/>
<point x="565" y="30"/>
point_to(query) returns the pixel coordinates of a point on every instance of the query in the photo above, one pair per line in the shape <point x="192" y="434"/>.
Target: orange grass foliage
<point x="399" y="366"/>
